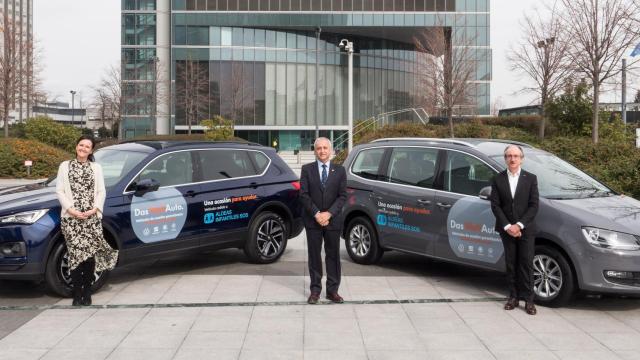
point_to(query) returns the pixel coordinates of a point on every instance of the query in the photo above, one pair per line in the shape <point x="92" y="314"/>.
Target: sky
<point x="79" y="40"/>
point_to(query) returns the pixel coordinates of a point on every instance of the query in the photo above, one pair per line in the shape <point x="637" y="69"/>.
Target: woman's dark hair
<point x="93" y="145"/>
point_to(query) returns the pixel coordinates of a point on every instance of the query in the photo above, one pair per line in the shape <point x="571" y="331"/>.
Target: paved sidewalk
<point x="181" y="309"/>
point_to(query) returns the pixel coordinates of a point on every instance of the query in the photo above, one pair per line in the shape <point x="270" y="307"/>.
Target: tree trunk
<point x="450" y="120"/>
<point x="543" y="115"/>
<point x="596" y="106"/>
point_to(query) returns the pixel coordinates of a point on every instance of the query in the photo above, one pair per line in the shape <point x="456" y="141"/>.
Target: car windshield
<point x="115" y="164"/>
<point x="557" y="179"/>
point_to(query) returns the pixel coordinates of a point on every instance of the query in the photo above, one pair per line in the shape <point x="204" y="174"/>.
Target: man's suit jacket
<point x="316" y="198"/>
<point x="522" y="207"/>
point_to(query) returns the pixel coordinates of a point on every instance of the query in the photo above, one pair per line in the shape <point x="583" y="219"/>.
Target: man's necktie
<point x="324" y="174"/>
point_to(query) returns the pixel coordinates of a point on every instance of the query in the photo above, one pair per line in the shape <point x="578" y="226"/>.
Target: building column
<point x="163" y="65"/>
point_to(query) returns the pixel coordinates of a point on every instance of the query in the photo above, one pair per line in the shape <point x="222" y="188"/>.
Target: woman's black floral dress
<point x="84" y="237"/>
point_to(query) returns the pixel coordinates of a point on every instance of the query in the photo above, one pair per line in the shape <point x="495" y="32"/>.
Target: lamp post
<point x="318" y="31"/>
<point x="347" y="46"/>
<point x="73" y="94"/>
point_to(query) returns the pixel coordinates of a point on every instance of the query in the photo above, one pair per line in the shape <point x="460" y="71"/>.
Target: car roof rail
<point x="172" y="143"/>
<point x="450" y="141"/>
<point x="502" y="141"/>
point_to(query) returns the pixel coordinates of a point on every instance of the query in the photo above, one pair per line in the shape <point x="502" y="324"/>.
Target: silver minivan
<point x="430" y="197"/>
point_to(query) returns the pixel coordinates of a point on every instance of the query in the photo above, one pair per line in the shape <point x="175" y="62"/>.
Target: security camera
<point x="343" y="43"/>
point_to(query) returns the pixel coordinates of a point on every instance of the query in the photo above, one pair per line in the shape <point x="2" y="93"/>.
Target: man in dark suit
<point x="514" y="202"/>
<point x="323" y="191"/>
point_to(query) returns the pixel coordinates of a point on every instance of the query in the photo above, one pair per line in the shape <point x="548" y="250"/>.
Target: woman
<point x="80" y="189"/>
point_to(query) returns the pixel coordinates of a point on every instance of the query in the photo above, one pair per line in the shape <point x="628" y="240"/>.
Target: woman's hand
<point x="90" y="213"/>
<point x="77" y="214"/>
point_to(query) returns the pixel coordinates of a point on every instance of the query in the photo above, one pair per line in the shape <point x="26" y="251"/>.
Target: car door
<point x="466" y="232"/>
<point x="166" y="219"/>
<point x="231" y="187"/>
<point x="405" y="203"/>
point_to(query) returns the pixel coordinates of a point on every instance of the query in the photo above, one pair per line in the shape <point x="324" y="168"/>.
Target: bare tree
<point x="496" y="106"/>
<point x="600" y="33"/>
<point x="541" y="55"/>
<point x="108" y="98"/>
<point x="9" y="68"/>
<point x="637" y="98"/>
<point x="192" y="90"/>
<point x="447" y="70"/>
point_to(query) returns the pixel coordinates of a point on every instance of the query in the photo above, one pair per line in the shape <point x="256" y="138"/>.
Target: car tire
<point x="57" y="274"/>
<point x="267" y="239"/>
<point x="553" y="280"/>
<point x="361" y="241"/>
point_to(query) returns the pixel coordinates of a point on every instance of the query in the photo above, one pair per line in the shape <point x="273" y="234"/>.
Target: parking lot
<point x="218" y="306"/>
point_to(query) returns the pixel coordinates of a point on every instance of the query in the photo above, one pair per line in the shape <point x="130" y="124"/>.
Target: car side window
<point x="261" y="160"/>
<point x="169" y="169"/>
<point x="413" y="166"/>
<point x="465" y="174"/>
<point x="368" y="163"/>
<point x="225" y="164"/>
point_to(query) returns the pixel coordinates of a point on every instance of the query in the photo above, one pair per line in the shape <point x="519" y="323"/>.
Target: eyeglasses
<point x="512" y="156"/>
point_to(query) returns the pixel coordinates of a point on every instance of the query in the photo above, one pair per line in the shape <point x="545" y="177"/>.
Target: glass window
<point x="117" y="163"/>
<point x="169" y="169"/>
<point x="465" y="174"/>
<point x="224" y="164"/>
<point x="225" y="36"/>
<point x="264" y="5"/>
<point x="261" y="160"/>
<point x="368" y="164"/>
<point x="337" y="5"/>
<point x="259" y="38"/>
<point x="413" y="166"/>
<point x="274" y="5"/>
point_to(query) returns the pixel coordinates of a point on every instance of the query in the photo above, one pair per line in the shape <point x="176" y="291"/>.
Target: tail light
<point x="296" y="185"/>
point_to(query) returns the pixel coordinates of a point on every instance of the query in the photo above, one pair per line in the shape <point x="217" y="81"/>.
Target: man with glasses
<point x="514" y="203"/>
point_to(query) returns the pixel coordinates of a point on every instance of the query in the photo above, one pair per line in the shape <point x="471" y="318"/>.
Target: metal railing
<point x="379" y="120"/>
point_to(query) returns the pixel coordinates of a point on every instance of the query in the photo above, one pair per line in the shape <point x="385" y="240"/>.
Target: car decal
<point x="470" y="226"/>
<point x="158" y="215"/>
<point x="216" y="211"/>
<point x="393" y="215"/>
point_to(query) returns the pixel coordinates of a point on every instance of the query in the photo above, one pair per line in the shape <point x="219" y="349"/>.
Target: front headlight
<point x="611" y="239"/>
<point x="27" y="217"/>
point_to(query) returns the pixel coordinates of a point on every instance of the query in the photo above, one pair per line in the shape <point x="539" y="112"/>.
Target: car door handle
<point x="444" y="205"/>
<point x="253" y="185"/>
<point x="424" y="201"/>
<point x="190" y="193"/>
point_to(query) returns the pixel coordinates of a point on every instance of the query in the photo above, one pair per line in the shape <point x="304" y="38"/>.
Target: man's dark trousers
<point x="330" y="196"/>
<point x="332" y="258"/>
<point x="518" y="253"/>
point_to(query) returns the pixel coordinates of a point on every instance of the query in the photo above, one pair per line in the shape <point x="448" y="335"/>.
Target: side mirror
<point x="145" y="186"/>
<point x="485" y="193"/>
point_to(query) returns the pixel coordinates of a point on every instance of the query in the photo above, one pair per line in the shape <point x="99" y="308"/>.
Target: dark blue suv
<point x="163" y="198"/>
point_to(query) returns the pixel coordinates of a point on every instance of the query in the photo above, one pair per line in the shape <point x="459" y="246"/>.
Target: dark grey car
<point x="429" y="197"/>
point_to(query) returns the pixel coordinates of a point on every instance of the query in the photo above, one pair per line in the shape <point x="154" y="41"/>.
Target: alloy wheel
<point x="270" y="238"/>
<point x="360" y="240"/>
<point x="547" y="277"/>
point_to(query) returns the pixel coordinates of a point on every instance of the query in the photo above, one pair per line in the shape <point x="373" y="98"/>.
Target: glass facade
<point x="255" y="60"/>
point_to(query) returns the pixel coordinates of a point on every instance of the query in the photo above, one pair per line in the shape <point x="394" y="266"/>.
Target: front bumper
<point x="594" y="262"/>
<point x="27" y="271"/>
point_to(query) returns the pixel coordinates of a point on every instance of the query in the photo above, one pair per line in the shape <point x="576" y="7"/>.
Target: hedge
<point x="46" y="159"/>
